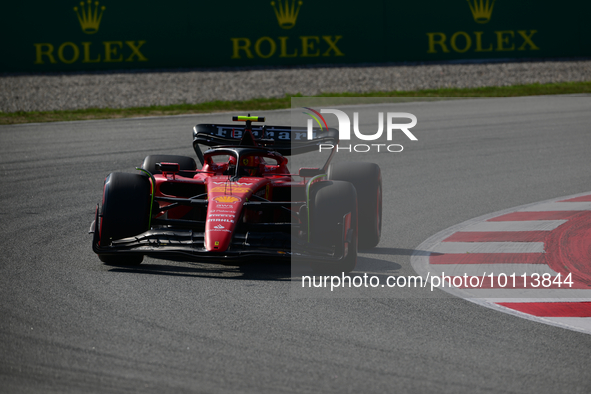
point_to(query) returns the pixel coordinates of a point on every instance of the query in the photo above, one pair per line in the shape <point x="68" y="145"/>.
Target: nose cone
<point x="223" y="213"/>
<point x="225" y="208"/>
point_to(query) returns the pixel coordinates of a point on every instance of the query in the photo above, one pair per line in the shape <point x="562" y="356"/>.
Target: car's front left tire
<point x="330" y="203"/>
<point x="367" y="179"/>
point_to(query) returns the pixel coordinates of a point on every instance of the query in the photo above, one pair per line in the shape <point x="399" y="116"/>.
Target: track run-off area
<point x="533" y="261"/>
<point x="70" y="324"/>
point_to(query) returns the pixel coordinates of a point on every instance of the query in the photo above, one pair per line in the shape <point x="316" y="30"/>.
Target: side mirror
<point x="310" y="172"/>
<point x="172" y="168"/>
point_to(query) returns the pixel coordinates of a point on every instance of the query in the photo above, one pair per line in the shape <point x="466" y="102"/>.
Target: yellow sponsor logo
<point x="89" y="17"/>
<point x="481" y="41"/>
<point x="70" y="52"/>
<point x="266" y="47"/>
<point x="221" y="189"/>
<point x="478" y="41"/>
<point x="481" y="10"/>
<point x="286" y="12"/>
<point x="226" y="199"/>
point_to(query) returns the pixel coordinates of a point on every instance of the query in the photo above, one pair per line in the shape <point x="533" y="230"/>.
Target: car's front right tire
<point x="125" y="213"/>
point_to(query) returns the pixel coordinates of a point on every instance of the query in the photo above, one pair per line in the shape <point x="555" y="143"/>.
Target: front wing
<point x="188" y="245"/>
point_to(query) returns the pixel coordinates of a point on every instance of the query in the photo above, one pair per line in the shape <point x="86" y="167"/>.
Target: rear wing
<point x="285" y="140"/>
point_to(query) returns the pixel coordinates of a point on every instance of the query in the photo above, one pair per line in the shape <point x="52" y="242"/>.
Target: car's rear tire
<point x="330" y="201"/>
<point x="125" y="213"/>
<point x="185" y="163"/>
<point x="367" y="179"/>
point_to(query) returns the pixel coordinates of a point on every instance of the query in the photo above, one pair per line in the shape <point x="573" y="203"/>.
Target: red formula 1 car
<point x="243" y="203"/>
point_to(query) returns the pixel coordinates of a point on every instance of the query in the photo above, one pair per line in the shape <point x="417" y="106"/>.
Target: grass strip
<point x="284" y="102"/>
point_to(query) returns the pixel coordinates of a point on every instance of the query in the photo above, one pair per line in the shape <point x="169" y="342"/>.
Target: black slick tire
<point x="125" y="213"/>
<point x="367" y="179"/>
<point x="330" y="202"/>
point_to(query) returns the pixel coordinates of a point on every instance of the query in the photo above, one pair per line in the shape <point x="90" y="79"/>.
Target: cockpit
<point x="238" y="162"/>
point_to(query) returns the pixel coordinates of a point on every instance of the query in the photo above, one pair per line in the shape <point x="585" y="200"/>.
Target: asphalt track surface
<point x="70" y="324"/>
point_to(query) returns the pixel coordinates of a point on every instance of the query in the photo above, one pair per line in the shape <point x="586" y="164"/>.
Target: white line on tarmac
<point x="489" y="247"/>
<point x="495" y="269"/>
<point x="559" y="206"/>
<point x="529" y="225"/>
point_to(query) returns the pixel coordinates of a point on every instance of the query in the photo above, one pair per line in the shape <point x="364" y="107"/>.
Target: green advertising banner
<point x="112" y="35"/>
<point x="488" y="29"/>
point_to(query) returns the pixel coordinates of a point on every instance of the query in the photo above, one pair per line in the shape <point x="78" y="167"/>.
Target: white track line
<point x="489" y="247"/>
<point x="530" y="296"/>
<point x="559" y="206"/>
<point x="528" y="225"/>
<point x="487" y="269"/>
<point x="575" y="323"/>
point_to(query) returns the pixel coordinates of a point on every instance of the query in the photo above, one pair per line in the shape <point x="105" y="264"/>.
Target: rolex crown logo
<point x="286" y="13"/>
<point x="89" y="17"/>
<point x="481" y="10"/>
